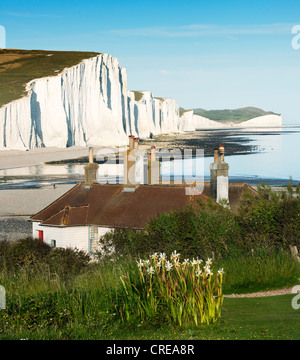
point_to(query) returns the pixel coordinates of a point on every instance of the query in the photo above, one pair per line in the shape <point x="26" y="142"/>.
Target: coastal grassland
<point x="18" y="67"/>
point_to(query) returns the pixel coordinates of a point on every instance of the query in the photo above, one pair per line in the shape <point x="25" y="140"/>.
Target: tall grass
<point x="260" y="270"/>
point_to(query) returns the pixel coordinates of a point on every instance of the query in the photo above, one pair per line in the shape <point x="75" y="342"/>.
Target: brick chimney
<point x="219" y="186"/>
<point x="90" y="170"/>
<point x="153" y="168"/>
<point x="133" y="164"/>
<point x="131" y="141"/>
<point x="136" y="143"/>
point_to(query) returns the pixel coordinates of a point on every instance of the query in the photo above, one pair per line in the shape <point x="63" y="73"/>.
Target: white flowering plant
<point x="181" y="291"/>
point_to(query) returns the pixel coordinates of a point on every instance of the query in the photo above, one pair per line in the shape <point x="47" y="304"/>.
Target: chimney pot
<point x="91" y="156"/>
<point x="90" y="170"/>
<point x="216" y="155"/>
<point x="221" y="152"/>
<point x="131" y="140"/>
<point x="219" y="186"/>
<point x="136" y="143"/>
<point x="153" y="157"/>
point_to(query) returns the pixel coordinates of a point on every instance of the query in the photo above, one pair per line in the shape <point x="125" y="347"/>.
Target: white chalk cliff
<point x="89" y="104"/>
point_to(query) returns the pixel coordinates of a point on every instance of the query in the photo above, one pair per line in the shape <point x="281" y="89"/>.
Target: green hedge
<point x="267" y="220"/>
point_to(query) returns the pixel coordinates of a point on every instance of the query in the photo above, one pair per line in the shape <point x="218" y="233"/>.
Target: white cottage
<point x="82" y="215"/>
<point x="89" y="210"/>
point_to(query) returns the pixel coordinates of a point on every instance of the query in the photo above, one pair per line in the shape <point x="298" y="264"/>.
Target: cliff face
<point x="264" y="121"/>
<point x="89" y="104"/>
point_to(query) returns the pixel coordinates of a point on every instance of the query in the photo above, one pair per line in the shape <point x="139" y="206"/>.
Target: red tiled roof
<point x="111" y="206"/>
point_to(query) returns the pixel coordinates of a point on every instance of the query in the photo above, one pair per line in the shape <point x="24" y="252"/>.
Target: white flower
<point x="140" y="263"/>
<point x="221" y="271"/>
<point x="198" y="273"/>
<point x="162" y="256"/>
<point x="185" y="262"/>
<point x="176" y="262"/>
<point x="154" y="256"/>
<point x="208" y="261"/>
<point x="151" y="270"/>
<point x="146" y="262"/>
<point x="168" y="266"/>
<point x="175" y="255"/>
<point x="207" y="270"/>
<point x="194" y="262"/>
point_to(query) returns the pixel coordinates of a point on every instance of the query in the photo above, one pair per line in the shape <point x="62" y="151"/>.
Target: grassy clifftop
<point x="235" y="116"/>
<point x="18" y="67"/>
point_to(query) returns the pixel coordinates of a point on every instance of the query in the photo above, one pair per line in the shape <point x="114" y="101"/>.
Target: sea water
<point x="274" y="159"/>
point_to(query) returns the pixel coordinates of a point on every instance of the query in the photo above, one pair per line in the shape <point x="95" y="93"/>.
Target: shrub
<point x="270" y="219"/>
<point x="66" y="262"/>
<point x="191" y="231"/>
<point x="33" y="254"/>
<point x="22" y="253"/>
<point x="265" y="220"/>
<point x="122" y="242"/>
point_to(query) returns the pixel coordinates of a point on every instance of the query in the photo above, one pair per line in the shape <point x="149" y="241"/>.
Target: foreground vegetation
<point x="45" y="305"/>
<point x="59" y="294"/>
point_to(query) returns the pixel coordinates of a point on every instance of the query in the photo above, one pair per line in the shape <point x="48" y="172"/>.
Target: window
<point x="94" y="241"/>
<point x="53" y="243"/>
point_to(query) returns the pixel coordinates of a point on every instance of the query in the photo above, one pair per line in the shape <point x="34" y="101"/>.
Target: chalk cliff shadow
<point x="36" y="134"/>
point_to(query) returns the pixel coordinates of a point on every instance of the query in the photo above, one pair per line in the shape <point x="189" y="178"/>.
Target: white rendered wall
<point x="222" y="188"/>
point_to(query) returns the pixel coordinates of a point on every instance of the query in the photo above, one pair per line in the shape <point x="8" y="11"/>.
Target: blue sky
<point x="209" y="54"/>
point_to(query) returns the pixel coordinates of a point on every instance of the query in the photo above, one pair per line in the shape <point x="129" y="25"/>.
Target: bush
<point x="191" y="231"/>
<point x="22" y="253"/>
<point x="266" y="220"/>
<point x="66" y="262"/>
<point x="33" y="254"/>
<point x="270" y="220"/>
<point x="122" y="242"/>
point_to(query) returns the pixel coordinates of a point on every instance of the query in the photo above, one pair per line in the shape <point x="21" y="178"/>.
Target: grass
<point x="260" y="272"/>
<point x="269" y="318"/>
<point x="18" y="67"/>
<point x="44" y="305"/>
<point x="138" y="95"/>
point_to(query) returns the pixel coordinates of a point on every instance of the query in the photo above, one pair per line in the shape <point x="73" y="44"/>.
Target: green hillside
<point x="18" y="67"/>
<point x="235" y="116"/>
